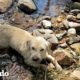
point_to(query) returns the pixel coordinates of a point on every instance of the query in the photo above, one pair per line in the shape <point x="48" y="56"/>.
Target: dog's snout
<point x="35" y="58"/>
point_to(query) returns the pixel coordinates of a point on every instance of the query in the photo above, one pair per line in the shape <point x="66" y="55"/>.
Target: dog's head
<point x="37" y="51"/>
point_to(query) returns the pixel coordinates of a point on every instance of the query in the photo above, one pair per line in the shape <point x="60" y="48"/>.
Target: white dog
<point x="33" y="49"/>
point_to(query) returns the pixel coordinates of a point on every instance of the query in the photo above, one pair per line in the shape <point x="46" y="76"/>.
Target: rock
<point x="78" y="16"/>
<point x="63" y="57"/>
<point x="61" y="34"/>
<point x="74" y="25"/>
<point x="65" y="24"/>
<point x="4" y="5"/>
<point x="61" y="18"/>
<point x="40" y="18"/>
<point x="27" y="6"/>
<point x="75" y="11"/>
<point x="73" y="39"/>
<point x="75" y="74"/>
<point x="76" y="5"/>
<point x="76" y="47"/>
<point x="46" y="24"/>
<point x="71" y="17"/>
<point x="47" y="34"/>
<point x="63" y="45"/>
<point x="71" y="31"/>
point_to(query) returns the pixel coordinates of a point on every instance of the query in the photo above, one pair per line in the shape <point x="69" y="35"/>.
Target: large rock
<point x="27" y="6"/>
<point x="4" y="5"/>
<point x="63" y="57"/>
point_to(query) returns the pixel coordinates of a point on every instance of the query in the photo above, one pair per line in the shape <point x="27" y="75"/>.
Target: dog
<point x="35" y="50"/>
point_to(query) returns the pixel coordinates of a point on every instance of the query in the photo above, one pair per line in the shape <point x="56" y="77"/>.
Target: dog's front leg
<point x="54" y="62"/>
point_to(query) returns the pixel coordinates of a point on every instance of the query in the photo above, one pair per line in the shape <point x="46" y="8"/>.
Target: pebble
<point x="71" y="17"/>
<point x="78" y="16"/>
<point x="71" y="31"/>
<point x="75" y="11"/>
<point x="60" y="35"/>
<point x="74" y="24"/>
<point x="65" y="24"/>
<point x="63" y="45"/>
<point x="46" y="24"/>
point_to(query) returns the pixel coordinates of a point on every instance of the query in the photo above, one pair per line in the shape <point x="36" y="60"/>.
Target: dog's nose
<point x="35" y="58"/>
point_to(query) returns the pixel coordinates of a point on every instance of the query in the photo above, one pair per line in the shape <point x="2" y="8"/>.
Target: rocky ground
<point x="62" y="31"/>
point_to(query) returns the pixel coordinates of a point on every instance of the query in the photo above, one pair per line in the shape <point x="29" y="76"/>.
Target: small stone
<point x="27" y="6"/>
<point x="71" y="31"/>
<point x="71" y="17"/>
<point x="40" y="18"/>
<point x="65" y="23"/>
<point x="74" y="24"/>
<point x="4" y="5"/>
<point x="75" y="11"/>
<point x="78" y="16"/>
<point x="63" y="45"/>
<point x="60" y="35"/>
<point x="46" y="24"/>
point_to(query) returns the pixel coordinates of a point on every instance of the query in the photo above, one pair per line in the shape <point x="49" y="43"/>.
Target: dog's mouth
<point x="45" y="61"/>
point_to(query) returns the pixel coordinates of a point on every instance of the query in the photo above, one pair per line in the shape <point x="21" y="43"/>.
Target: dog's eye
<point x="33" y="48"/>
<point x="42" y="49"/>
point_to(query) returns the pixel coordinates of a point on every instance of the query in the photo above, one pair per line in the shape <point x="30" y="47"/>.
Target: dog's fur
<point x="33" y="49"/>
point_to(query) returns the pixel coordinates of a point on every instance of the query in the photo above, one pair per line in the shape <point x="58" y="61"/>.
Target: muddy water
<point x="50" y="7"/>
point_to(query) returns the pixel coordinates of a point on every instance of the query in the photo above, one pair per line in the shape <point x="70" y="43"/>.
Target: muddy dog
<point x="33" y="49"/>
